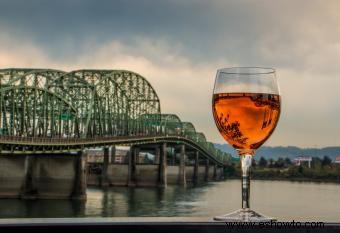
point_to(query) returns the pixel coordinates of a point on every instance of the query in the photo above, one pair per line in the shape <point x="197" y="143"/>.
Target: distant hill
<point x="289" y="151"/>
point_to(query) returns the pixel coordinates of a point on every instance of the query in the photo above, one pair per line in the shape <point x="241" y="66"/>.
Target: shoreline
<point x="289" y="179"/>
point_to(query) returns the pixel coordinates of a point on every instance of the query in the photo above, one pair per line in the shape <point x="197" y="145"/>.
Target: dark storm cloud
<point x="253" y="32"/>
<point x="236" y="30"/>
<point x="56" y="23"/>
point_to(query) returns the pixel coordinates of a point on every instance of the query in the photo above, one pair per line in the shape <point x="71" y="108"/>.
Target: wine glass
<point x="246" y="108"/>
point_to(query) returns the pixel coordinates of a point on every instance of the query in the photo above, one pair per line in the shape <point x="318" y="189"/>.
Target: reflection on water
<point x="13" y="208"/>
<point x="299" y="201"/>
<point x="173" y="201"/>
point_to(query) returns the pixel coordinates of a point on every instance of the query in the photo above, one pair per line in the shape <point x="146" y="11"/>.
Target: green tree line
<point x="283" y="169"/>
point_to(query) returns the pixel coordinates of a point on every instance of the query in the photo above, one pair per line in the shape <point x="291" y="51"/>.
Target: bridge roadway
<point x="26" y="145"/>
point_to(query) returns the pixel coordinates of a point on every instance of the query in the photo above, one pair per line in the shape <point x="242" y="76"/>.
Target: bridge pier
<point x="104" y="179"/>
<point x="113" y="154"/>
<point x="206" y="175"/>
<point x="139" y="170"/>
<point x="195" y="177"/>
<point x="221" y="175"/>
<point x="30" y="189"/>
<point x="43" y="176"/>
<point x="137" y="173"/>
<point x="79" y="190"/>
<point x="132" y="166"/>
<point x="157" y="154"/>
<point x="181" y="172"/>
<point x="162" y="181"/>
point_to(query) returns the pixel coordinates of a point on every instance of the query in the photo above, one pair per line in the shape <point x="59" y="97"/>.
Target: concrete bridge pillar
<point x="30" y="189"/>
<point x="215" y="172"/>
<point x="173" y="155"/>
<point x="113" y="154"/>
<point x="162" y="167"/>
<point x="104" y="180"/>
<point x="195" y="177"/>
<point x="219" y="173"/>
<point x="221" y="176"/>
<point x="43" y="176"/>
<point x="206" y="176"/>
<point x="181" y="173"/>
<point x="132" y="166"/>
<point x="157" y="154"/>
<point x="79" y="190"/>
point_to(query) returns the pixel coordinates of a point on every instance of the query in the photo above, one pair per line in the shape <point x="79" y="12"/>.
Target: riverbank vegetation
<point x="283" y="169"/>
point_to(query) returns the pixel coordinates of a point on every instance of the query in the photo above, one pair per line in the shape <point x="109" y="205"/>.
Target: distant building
<point x="297" y="161"/>
<point x="96" y="155"/>
<point x="144" y="157"/>
<point x="337" y="159"/>
<point x="120" y="156"/>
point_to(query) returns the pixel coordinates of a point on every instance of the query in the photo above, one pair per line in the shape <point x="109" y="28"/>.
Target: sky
<point x="178" y="46"/>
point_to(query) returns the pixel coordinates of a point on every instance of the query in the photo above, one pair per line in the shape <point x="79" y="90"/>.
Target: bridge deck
<point x="17" y="145"/>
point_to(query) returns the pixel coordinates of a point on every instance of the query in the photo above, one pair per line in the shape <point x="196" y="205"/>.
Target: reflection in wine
<point x="246" y="120"/>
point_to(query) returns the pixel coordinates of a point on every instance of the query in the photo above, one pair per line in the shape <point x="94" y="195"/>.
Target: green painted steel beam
<point x="85" y="107"/>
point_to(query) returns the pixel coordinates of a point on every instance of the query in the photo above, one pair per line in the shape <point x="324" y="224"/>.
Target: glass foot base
<point x="244" y="215"/>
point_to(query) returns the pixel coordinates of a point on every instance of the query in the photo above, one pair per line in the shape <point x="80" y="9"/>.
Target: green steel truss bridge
<point x="52" y="111"/>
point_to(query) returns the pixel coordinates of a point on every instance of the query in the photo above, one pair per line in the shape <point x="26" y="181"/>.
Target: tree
<point x="316" y="162"/>
<point x="253" y="162"/>
<point x="280" y="162"/>
<point x="326" y="161"/>
<point x="288" y="162"/>
<point x="262" y="162"/>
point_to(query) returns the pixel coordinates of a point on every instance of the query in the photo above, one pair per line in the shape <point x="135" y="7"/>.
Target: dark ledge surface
<point x="150" y="224"/>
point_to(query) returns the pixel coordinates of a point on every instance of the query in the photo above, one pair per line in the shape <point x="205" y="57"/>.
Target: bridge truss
<point x="66" y="109"/>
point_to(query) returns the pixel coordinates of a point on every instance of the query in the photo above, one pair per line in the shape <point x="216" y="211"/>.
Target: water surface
<point x="285" y="200"/>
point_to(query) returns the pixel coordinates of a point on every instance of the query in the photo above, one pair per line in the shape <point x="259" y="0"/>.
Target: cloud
<point x="16" y="53"/>
<point x="178" y="46"/>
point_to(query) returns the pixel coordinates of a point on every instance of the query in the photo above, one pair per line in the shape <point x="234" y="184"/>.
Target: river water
<point x="285" y="200"/>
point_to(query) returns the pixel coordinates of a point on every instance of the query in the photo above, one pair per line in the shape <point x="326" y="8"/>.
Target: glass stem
<point x="245" y="165"/>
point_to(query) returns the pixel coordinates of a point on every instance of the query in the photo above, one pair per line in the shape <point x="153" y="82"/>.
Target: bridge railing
<point x="210" y="148"/>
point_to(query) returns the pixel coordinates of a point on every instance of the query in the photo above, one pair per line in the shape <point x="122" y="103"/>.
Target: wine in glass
<point x="246" y="108"/>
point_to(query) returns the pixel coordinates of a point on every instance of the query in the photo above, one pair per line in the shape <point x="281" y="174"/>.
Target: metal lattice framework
<point x="85" y="104"/>
<point x="189" y="129"/>
<point x="82" y="103"/>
